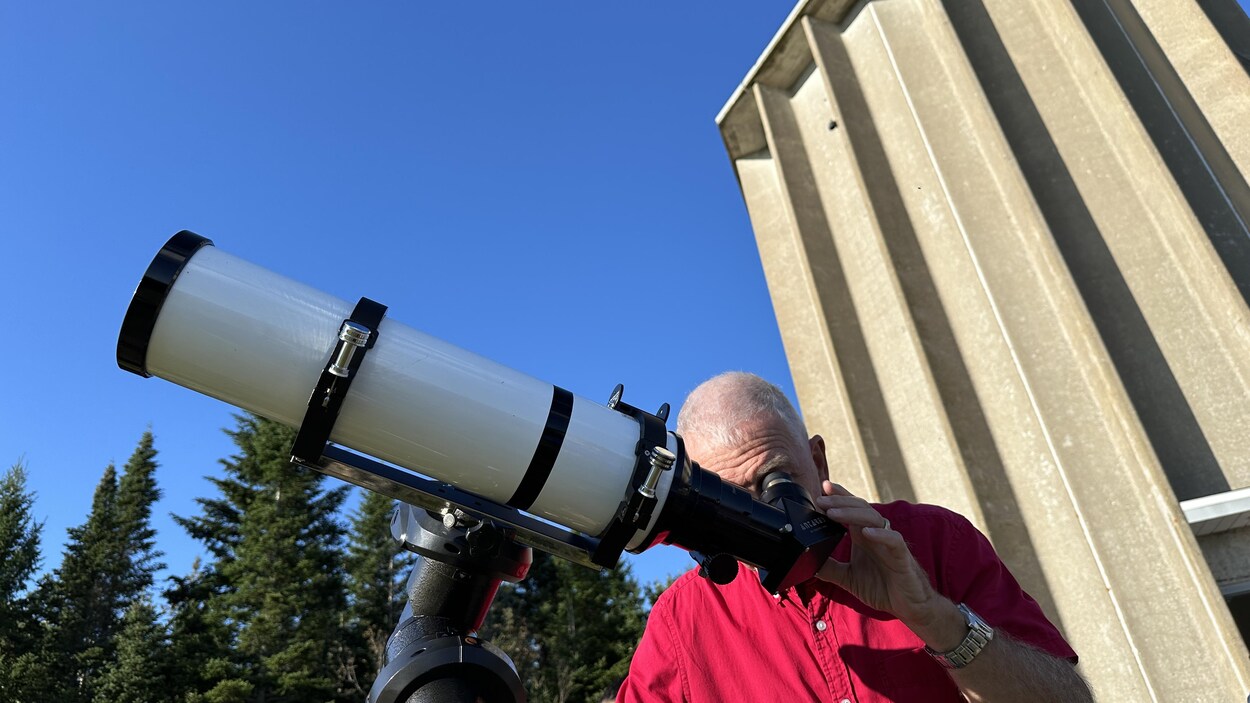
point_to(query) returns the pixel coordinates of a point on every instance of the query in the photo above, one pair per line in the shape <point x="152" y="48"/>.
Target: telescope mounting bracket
<point x="357" y="335"/>
<point x="634" y="512"/>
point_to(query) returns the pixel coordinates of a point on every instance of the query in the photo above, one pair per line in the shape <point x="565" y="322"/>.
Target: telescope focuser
<point x="782" y="534"/>
<point x="720" y="569"/>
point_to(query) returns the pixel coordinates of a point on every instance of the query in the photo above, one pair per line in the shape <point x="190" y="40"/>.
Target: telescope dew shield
<point x="232" y="330"/>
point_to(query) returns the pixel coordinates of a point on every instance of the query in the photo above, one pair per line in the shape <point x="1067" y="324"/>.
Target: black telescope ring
<point x="546" y="452"/>
<point x="331" y="390"/>
<point x="149" y="297"/>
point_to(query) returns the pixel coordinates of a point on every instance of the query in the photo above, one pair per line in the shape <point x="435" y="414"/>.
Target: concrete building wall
<point x="1007" y="243"/>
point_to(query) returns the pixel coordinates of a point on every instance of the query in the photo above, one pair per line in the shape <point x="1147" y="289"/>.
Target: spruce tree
<point x="141" y="670"/>
<point x="275" y="584"/>
<point x="136" y="494"/>
<point x="377" y="567"/>
<point x="108" y="564"/>
<point x="78" y="602"/>
<point x="570" y="630"/>
<point x="19" y="558"/>
<point x="200" y="639"/>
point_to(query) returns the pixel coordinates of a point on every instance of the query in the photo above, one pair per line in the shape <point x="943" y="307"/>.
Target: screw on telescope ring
<point x="149" y="297"/>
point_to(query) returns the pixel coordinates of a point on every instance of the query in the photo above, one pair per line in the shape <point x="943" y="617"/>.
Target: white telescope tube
<point x="259" y="341"/>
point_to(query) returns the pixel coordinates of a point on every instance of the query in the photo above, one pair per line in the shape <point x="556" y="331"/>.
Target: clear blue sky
<point x="542" y="184"/>
<point x="539" y="183"/>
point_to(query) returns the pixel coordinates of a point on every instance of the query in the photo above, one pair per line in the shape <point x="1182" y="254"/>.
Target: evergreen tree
<point x="275" y="585"/>
<point x="136" y="494"/>
<point x="141" y="671"/>
<point x="652" y="591"/>
<point x="570" y="630"/>
<point x="377" y="567"/>
<point x="200" y="640"/>
<point x="108" y="564"/>
<point x="78" y="602"/>
<point x="19" y="558"/>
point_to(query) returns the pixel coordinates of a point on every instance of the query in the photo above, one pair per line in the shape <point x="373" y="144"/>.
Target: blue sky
<point x="542" y="184"/>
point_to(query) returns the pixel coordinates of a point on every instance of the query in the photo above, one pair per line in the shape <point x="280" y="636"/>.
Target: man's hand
<point x="883" y="574"/>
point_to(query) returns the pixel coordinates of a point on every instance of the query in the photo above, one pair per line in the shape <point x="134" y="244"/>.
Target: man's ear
<point x="817" y="444"/>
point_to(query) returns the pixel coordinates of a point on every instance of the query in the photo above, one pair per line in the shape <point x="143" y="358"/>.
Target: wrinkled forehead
<point x="759" y="427"/>
<point x="747" y="446"/>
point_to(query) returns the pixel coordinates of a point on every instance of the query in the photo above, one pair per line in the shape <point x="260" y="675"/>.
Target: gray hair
<point x="721" y="408"/>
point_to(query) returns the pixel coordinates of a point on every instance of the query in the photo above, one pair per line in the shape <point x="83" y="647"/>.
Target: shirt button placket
<point x="834" y="669"/>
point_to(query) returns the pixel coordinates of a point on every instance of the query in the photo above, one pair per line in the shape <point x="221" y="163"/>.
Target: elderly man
<point x="914" y="605"/>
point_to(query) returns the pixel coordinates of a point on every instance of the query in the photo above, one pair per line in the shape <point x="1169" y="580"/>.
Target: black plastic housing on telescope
<point x="787" y="540"/>
<point x="149" y="297"/>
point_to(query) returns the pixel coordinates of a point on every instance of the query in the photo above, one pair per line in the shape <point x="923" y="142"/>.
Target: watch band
<point x="979" y="635"/>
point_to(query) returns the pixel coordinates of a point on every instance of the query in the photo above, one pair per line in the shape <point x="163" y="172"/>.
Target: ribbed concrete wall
<point x="1007" y="245"/>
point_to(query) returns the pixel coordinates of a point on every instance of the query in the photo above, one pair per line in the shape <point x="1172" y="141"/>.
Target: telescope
<point x="486" y="461"/>
<point x="391" y="409"/>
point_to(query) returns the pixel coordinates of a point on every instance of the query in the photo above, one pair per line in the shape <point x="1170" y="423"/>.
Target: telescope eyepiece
<point x="779" y="485"/>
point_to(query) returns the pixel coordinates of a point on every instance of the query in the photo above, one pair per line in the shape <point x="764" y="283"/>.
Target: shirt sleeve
<point x="655" y="673"/>
<point x="972" y="573"/>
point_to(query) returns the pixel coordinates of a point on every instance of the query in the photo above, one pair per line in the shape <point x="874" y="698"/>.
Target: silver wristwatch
<point x="979" y="635"/>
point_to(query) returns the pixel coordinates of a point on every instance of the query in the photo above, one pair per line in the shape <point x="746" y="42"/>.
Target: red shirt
<point x="737" y="642"/>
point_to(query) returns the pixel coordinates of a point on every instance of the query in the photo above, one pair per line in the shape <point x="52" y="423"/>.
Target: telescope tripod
<point x="433" y="654"/>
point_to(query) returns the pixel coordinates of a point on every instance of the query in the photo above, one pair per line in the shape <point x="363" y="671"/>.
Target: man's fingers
<point x="836" y="501"/>
<point x="888" y="548"/>
<point x="834" y="571"/>
<point x="834" y="489"/>
<point x="885" y="547"/>
<point x="857" y="515"/>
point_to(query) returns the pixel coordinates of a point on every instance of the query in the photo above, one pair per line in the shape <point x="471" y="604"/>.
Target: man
<point x="910" y="592"/>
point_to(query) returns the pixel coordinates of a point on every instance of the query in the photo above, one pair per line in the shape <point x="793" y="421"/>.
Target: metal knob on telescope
<point x="661" y="461"/>
<point x="354" y="336"/>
